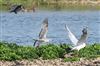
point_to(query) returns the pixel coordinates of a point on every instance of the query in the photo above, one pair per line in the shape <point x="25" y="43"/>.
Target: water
<point x="22" y="28"/>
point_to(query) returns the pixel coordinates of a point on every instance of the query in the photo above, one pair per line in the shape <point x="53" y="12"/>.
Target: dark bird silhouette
<point x="16" y="8"/>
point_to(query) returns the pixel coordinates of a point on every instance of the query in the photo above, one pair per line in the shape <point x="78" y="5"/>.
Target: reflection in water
<point x="23" y="27"/>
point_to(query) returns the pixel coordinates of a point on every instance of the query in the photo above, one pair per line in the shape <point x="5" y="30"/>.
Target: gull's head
<point x="45" y="21"/>
<point x="85" y="30"/>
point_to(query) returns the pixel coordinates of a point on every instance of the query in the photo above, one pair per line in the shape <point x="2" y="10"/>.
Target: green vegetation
<point x="71" y="59"/>
<point x="12" y="51"/>
<point x="52" y="4"/>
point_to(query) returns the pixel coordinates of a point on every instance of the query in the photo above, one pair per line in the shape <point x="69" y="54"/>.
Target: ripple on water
<point x="21" y="28"/>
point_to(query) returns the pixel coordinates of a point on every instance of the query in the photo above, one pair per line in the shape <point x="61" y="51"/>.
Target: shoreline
<point x="44" y="7"/>
<point x="12" y="54"/>
<point x="55" y="62"/>
<point x="58" y="5"/>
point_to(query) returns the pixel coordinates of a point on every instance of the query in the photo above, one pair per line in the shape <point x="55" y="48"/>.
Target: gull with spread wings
<point x="42" y="34"/>
<point x="78" y="44"/>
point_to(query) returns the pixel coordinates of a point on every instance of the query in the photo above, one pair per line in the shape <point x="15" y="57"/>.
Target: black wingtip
<point x="35" y="43"/>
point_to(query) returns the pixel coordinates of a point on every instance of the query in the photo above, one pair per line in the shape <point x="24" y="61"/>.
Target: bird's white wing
<point x="44" y="29"/>
<point x="71" y="36"/>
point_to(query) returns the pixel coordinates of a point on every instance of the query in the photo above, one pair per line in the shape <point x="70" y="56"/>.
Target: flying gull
<point x="78" y="44"/>
<point x="42" y="34"/>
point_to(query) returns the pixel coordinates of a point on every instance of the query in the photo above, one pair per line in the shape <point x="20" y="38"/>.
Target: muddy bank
<point x="56" y="62"/>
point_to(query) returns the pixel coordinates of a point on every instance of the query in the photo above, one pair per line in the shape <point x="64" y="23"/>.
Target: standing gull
<point x="78" y="44"/>
<point x="42" y="34"/>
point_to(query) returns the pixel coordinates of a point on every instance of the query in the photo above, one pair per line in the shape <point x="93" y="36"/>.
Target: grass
<point x="71" y="59"/>
<point x="12" y="51"/>
<point x="28" y="4"/>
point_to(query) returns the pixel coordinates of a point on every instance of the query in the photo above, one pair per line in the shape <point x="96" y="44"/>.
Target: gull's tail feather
<point x="75" y="48"/>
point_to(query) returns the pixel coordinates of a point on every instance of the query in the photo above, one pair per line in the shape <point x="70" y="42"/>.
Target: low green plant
<point x="51" y="51"/>
<point x="71" y="59"/>
<point x="90" y="51"/>
<point x="12" y="51"/>
<point x="27" y="52"/>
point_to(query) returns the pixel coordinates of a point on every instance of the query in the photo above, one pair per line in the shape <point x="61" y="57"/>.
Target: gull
<point x="42" y="34"/>
<point x="78" y="44"/>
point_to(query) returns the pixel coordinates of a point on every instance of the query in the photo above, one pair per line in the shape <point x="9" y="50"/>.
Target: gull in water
<point x="42" y="34"/>
<point x="78" y="44"/>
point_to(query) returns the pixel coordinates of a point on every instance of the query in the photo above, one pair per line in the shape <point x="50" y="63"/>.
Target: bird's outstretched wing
<point x="83" y="37"/>
<point x="44" y="29"/>
<point x="16" y="8"/>
<point x="71" y="36"/>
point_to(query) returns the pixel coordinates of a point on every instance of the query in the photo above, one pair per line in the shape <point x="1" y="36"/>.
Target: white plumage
<point x="77" y="44"/>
